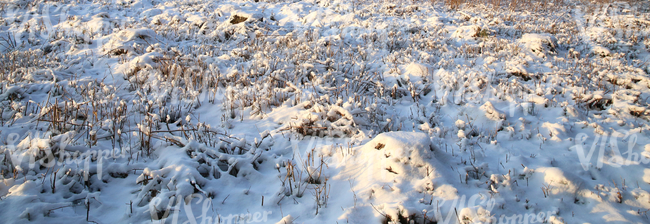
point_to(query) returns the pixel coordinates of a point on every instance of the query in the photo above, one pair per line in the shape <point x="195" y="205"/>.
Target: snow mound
<point x="414" y="146"/>
<point x="417" y="69"/>
<point x="197" y="20"/>
<point x="476" y="214"/>
<point x="558" y="182"/>
<point x="554" y="130"/>
<point x="151" y="12"/>
<point x="394" y="169"/>
<point x="540" y="44"/>
<point x="239" y="17"/>
<point x="467" y="32"/>
<point x="492" y="113"/>
<point x="326" y="120"/>
<point x="129" y="39"/>
<point x="601" y="51"/>
<point x="286" y="220"/>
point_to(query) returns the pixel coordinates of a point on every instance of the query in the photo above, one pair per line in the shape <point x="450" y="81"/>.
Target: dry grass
<point x="166" y="92"/>
<point x="516" y="5"/>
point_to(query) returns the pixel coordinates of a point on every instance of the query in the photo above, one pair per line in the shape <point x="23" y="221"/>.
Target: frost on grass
<point x="337" y="111"/>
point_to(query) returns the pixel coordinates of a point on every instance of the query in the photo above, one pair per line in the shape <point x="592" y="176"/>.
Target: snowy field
<point x="324" y="111"/>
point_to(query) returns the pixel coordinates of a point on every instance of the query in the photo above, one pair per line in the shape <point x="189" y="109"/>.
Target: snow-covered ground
<point x="330" y="111"/>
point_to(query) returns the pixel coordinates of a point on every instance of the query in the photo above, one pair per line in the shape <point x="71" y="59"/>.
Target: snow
<point x="286" y="220"/>
<point x="601" y="51"/>
<point x="333" y="111"/>
<point x="541" y="44"/>
<point x="467" y="32"/>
